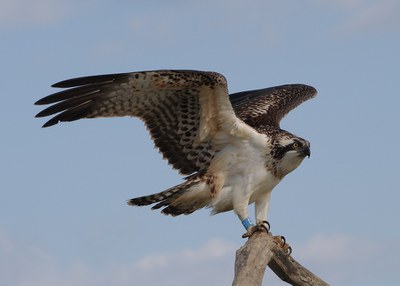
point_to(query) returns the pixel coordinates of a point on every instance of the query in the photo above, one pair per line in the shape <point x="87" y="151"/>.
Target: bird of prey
<point x="230" y="147"/>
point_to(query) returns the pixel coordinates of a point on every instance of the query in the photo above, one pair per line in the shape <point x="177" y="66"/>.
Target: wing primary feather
<point x="66" y="104"/>
<point x="266" y="107"/>
<point x="182" y="110"/>
<point x="68" y="94"/>
<point x="71" y="114"/>
<point x="96" y="79"/>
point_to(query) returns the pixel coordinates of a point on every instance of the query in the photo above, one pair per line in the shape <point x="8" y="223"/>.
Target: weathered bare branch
<point x="261" y="250"/>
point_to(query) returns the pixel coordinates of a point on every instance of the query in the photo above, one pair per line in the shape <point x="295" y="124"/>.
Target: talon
<point x="254" y="228"/>
<point x="268" y="227"/>
<point x="281" y="242"/>
<point x="247" y="234"/>
<point x="264" y="227"/>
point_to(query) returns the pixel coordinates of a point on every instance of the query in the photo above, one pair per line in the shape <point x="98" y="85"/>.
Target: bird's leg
<point x="263" y="226"/>
<point x="240" y="206"/>
<point x="261" y="212"/>
<point x="248" y="225"/>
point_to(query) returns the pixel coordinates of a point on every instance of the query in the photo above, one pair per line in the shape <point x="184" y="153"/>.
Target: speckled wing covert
<point x="266" y="107"/>
<point x="182" y="109"/>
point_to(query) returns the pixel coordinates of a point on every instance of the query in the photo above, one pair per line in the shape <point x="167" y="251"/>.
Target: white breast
<point x="240" y="168"/>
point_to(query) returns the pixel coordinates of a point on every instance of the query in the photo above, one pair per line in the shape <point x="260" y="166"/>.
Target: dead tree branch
<point x="261" y="250"/>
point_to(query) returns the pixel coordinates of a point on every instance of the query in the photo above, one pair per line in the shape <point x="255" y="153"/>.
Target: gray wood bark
<point x="261" y="250"/>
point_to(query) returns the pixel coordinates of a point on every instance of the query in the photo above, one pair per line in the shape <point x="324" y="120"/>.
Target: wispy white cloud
<point x="214" y="249"/>
<point x="24" y="265"/>
<point x="210" y="264"/>
<point x="340" y="259"/>
<point x="345" y="259"/>
<point x="334" y="248"/>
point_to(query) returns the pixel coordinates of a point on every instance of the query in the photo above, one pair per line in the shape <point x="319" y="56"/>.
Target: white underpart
<point x="290" y="161"/>
<point x="240" y="169"/>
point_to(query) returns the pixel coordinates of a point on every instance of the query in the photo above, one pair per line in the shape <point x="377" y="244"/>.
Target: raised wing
<point x="269" y="105"/>
<point x="183" y="110"/>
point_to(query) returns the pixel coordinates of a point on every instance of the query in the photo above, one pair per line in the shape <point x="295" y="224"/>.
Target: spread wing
<point x="269" y="105"/>
<point x="182" y="110"/>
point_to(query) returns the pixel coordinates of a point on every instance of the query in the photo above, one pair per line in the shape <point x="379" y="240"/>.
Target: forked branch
<point x="261" y="250"/>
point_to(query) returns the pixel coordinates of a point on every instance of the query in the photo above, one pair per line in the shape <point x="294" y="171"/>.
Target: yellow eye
<point x="295" y="145"/>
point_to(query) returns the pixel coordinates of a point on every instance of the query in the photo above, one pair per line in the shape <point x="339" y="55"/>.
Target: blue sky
<point x="63" y="213"/>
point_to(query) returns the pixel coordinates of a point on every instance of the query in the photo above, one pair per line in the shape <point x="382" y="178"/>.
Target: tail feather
<point x="184" y="198"/>
<point x="155" y="198"/>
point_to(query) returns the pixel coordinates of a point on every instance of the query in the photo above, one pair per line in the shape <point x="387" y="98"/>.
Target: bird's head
<point x="288" y="152"/>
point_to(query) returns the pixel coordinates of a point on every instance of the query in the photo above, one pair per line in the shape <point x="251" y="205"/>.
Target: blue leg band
<point x="247" y="223"/>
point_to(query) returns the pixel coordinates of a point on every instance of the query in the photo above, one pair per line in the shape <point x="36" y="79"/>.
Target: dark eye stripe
<point x="279" y="151"/>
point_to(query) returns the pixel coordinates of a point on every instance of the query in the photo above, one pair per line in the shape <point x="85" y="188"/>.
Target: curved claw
<point x="281" y="242"/>
<point x="268" y="227"/>
<point x="254" y="228"/>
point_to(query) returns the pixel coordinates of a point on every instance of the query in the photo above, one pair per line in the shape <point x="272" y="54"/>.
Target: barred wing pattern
<point x="266" y="107"/>
<point x="181" y="109"/>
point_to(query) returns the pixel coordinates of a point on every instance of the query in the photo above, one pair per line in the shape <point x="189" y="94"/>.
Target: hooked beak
<point x="306" y="152"/>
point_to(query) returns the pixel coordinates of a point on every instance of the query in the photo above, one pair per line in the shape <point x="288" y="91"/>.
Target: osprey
<point x="230" y="147"/>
